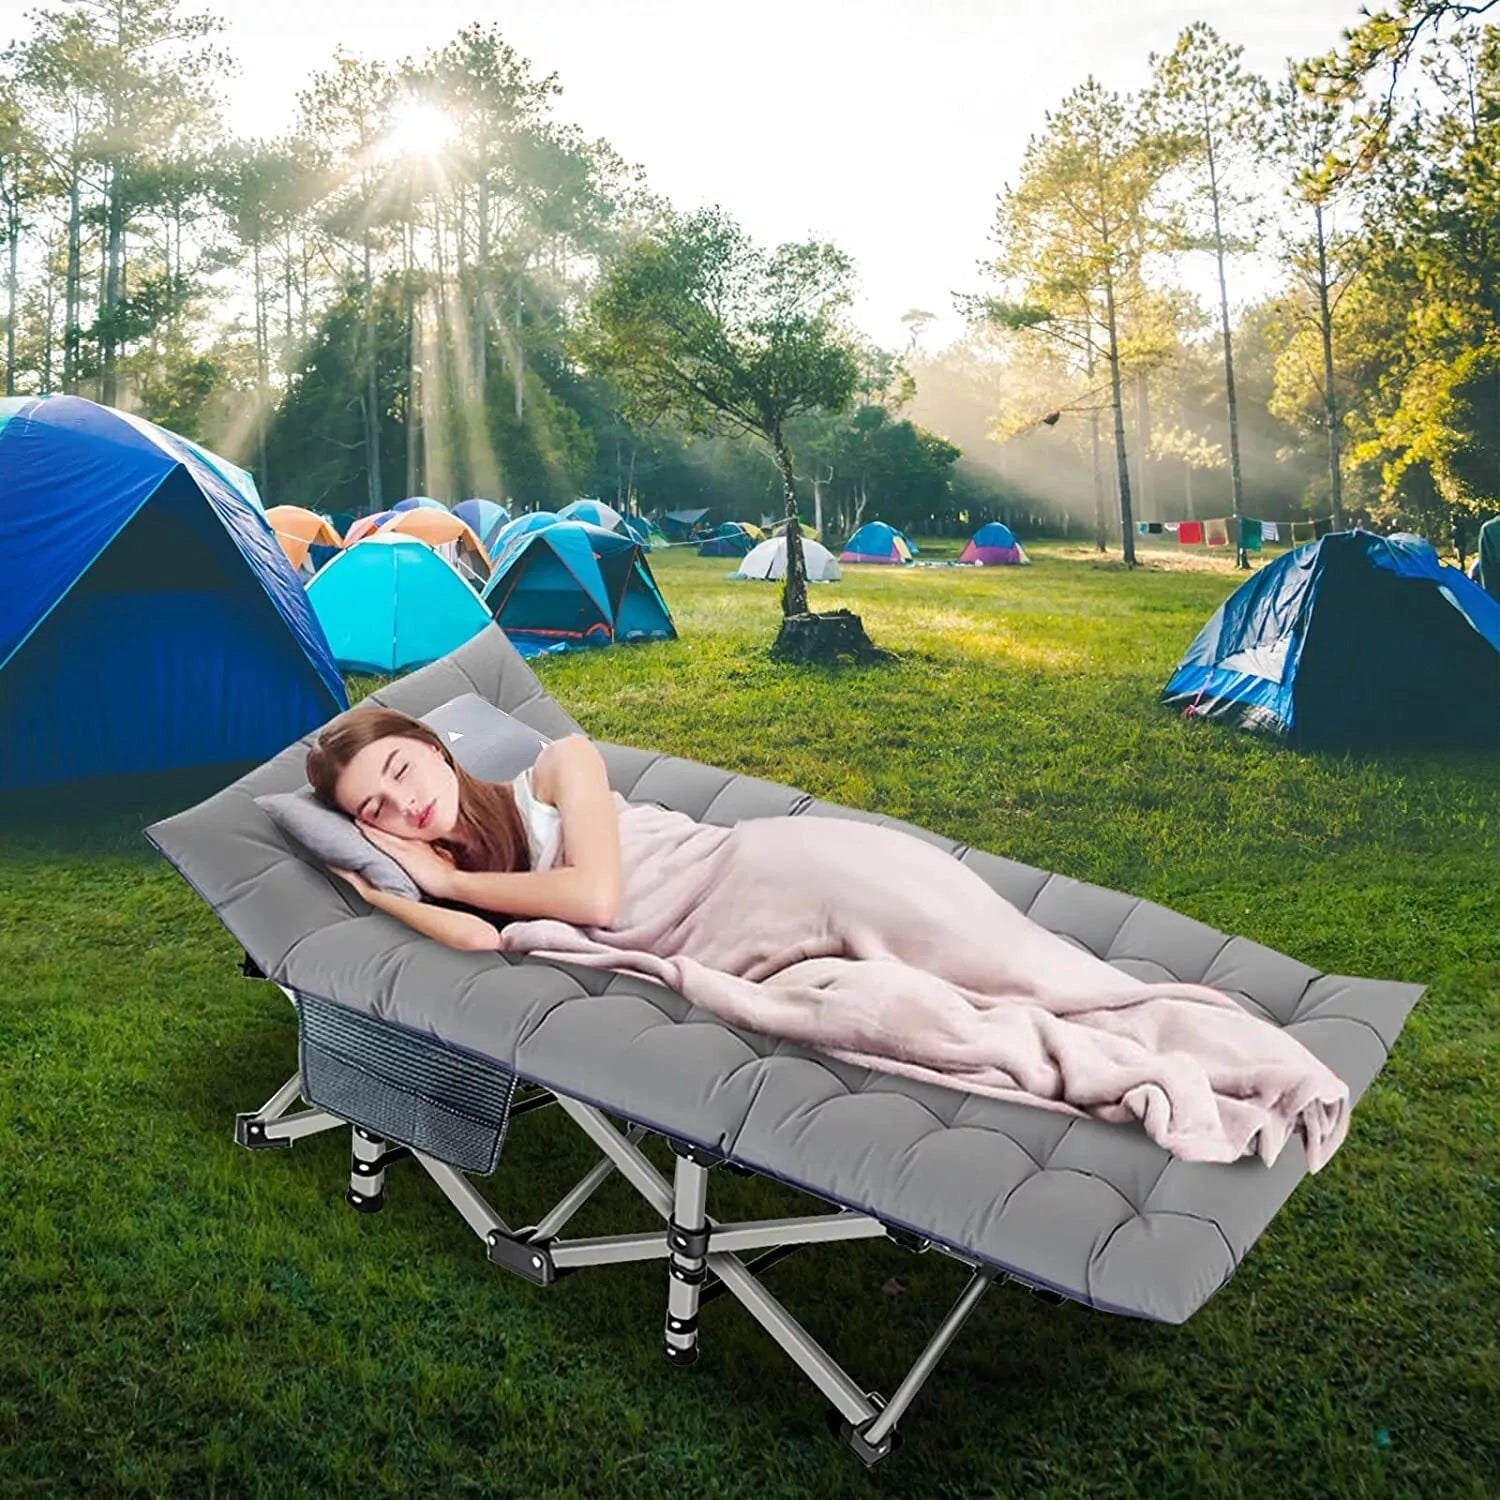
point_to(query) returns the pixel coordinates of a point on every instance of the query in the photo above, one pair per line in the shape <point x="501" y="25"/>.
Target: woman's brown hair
<point x="488" y="834"/>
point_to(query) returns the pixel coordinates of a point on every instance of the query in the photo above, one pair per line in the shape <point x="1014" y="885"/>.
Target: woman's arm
<point x="570" y="774"/>
<point x="458" y="929"/>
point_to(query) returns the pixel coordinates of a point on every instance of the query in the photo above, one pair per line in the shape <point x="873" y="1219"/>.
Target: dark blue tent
<point x="149" y="618"/>
<point x="1352" y="640"/>
<point x="732" y="539"/>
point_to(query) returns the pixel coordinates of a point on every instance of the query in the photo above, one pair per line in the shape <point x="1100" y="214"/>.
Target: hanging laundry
<point x="1250" y="533"/>
<point x="1190" y="533"/>
<point x="1155" y="528"/>
<point x="1302" y="531"/>
<point x="1143" y="528"/>
<point x="1217" y="533"/>
<point x="1322" y="526"/>
<point x="1171" y="527"/>
<point x="1271" y="530"/>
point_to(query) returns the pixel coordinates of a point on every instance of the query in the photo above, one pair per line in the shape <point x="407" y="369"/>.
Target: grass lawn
<point x="181" y="1317"/>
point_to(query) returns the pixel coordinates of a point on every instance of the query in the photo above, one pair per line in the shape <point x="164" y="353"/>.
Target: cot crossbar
<point x="702" y="1253"/>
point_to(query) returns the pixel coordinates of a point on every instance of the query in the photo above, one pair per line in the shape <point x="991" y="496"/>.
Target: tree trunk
<point x="108" y="380"/>
<point x="50" y="316"/>
<point x="72" y="295"/>
<point x="519" y="364"/>
<point x="371" y="401"/>
<point x="1237" y="484"/>
<point x="1127" y="526"/>
<point x="1101" y="541"/>
<point x="412" y="377"/>
<point x="1330" y="396"/>
<point x="14" y="227"/>
<point x="794" y="590"/>
<point x="262" y="362"/>
<point x="287" y="279"/>
<point x="1143" y="442"/>
<point x="481" y="282"/>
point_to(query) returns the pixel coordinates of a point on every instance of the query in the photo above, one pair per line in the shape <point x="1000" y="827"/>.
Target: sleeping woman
<point x="857" y="939"/>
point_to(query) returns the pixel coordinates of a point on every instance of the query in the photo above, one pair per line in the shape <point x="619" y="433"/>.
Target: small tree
<point x="702" y="325"/>
<point x="1073" y="234"/>
<point x="1218" y="113"/>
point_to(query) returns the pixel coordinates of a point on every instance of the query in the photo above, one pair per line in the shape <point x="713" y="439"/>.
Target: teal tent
<point x="390" y="603"/>
<point x="572" y="587"/>
<point x="516" y="528"/>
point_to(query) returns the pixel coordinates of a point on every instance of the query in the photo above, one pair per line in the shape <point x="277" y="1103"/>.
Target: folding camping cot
<point x="427" y="1052"/>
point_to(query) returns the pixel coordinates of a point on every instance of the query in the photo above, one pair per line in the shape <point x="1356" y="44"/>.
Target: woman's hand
<point x="430" y="868"/>
<point x="359" y="882"/>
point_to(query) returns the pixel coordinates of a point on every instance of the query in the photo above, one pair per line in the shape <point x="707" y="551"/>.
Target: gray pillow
<point x="336" y="840"/>
<point x="486" y="741"/>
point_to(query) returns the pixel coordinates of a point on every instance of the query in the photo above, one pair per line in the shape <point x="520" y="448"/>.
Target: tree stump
<point x="825" y="638"/>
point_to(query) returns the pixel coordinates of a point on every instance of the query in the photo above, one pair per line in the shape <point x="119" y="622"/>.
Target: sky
<point x="886" y="126"/>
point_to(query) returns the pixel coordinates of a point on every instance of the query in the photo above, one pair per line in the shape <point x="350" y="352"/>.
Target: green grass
<point x="181" y="1317"/>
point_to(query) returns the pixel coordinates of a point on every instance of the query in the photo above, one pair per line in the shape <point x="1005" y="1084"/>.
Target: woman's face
<point x="402" y="786"/>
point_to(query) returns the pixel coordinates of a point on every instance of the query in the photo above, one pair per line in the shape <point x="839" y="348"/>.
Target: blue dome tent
<point x="390" y="603"/>
<point x="149" y="618"/>
<point x="518" y="527"/>
<point x="484" y="518"/>
<point x="572" y="587"/>
<point x="1352" y="640"/>
<point x="645" y="531"/>
<point x="594" y="512"/>
<point x="875" y="542"/>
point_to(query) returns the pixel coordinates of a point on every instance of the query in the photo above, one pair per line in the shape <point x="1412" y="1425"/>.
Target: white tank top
<point x="542" y="821"/>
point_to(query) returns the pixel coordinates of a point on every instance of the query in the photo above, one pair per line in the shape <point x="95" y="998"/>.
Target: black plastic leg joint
<point x="365" y="1203"/>
<point x="531" y="1260"/>
<point x="385" y="1159"/>
<point x="249" y="968"/>
<point x="683" y="1326"/>
<point x="688" y="1356"/>
<point x="692" y="1243"/>
<point x="250" y="1132"/>
<point x="869" y="1454"/>
<point x="690" y="1275"/>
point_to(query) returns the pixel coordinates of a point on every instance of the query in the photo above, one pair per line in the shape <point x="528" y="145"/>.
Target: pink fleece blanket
<point x="880" y="949"/>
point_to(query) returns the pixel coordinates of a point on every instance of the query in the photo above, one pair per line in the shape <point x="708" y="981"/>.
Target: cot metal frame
<point x="705" y="1258"/>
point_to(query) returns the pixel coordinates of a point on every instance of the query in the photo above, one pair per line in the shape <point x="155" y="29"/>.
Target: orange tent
<point x="438" y="527"/>
<point x="297" y="530"/>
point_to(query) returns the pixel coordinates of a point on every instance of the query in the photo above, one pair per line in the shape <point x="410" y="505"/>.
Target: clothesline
<point x="1252" y="532"/>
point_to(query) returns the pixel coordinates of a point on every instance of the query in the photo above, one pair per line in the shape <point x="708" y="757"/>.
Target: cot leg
<point x="687" y="1260"/>
<point x="368" y="1159"/>
<point x="271" y="1128"/>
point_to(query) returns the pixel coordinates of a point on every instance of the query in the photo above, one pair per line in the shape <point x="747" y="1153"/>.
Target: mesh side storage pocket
<point x="403" y="1087"/>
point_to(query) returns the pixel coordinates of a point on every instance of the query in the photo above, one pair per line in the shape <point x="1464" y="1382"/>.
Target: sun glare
<point x="418" y="129"/>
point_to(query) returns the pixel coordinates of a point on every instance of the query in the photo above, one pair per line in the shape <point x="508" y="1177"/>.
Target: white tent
<point x="768" y="560"/>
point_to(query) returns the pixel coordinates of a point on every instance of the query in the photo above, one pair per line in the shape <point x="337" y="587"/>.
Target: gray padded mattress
<point x="1096" y="1212"/>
